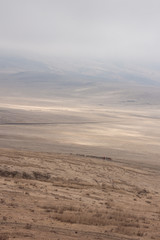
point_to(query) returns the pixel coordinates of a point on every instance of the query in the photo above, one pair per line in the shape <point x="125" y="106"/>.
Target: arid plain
<point x="127" y="133"/>
<point x="71" y="171"/>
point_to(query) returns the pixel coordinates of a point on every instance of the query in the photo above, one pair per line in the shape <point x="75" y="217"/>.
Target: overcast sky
<point x="112" y="29"/>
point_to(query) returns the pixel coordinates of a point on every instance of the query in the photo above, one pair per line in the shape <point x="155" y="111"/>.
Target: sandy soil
<point x="60" y="196"/>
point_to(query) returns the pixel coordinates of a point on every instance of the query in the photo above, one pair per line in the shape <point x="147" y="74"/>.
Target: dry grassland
<point x="59" y="196"/>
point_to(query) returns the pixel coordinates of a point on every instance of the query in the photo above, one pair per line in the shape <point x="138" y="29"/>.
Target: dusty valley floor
<point x="67" y="196"/>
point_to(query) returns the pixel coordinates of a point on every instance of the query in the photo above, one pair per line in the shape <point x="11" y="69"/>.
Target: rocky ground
<point x="66" y="197"/>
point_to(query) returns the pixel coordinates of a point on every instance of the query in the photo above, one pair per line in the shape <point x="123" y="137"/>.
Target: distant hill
<point x="94" y="81"/>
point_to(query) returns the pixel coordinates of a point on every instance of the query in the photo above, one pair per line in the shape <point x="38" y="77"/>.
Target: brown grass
<point x="69" y="192"/>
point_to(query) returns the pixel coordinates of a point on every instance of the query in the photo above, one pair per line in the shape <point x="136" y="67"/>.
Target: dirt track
<point x="58" y="196"/>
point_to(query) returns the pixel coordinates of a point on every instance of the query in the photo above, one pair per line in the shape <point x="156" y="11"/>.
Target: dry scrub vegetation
<point x="58" y="196"/>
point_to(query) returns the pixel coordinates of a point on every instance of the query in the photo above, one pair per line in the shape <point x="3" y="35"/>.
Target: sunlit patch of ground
<point x="71" y="127"/>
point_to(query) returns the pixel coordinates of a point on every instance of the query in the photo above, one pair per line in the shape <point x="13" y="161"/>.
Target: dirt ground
<point x="60" y="196"/>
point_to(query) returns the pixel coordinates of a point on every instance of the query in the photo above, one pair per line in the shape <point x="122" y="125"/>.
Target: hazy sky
<point x="114" y="29"/>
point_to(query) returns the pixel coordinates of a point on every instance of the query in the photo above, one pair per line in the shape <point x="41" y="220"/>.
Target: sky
<point x="103" y="29"/>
